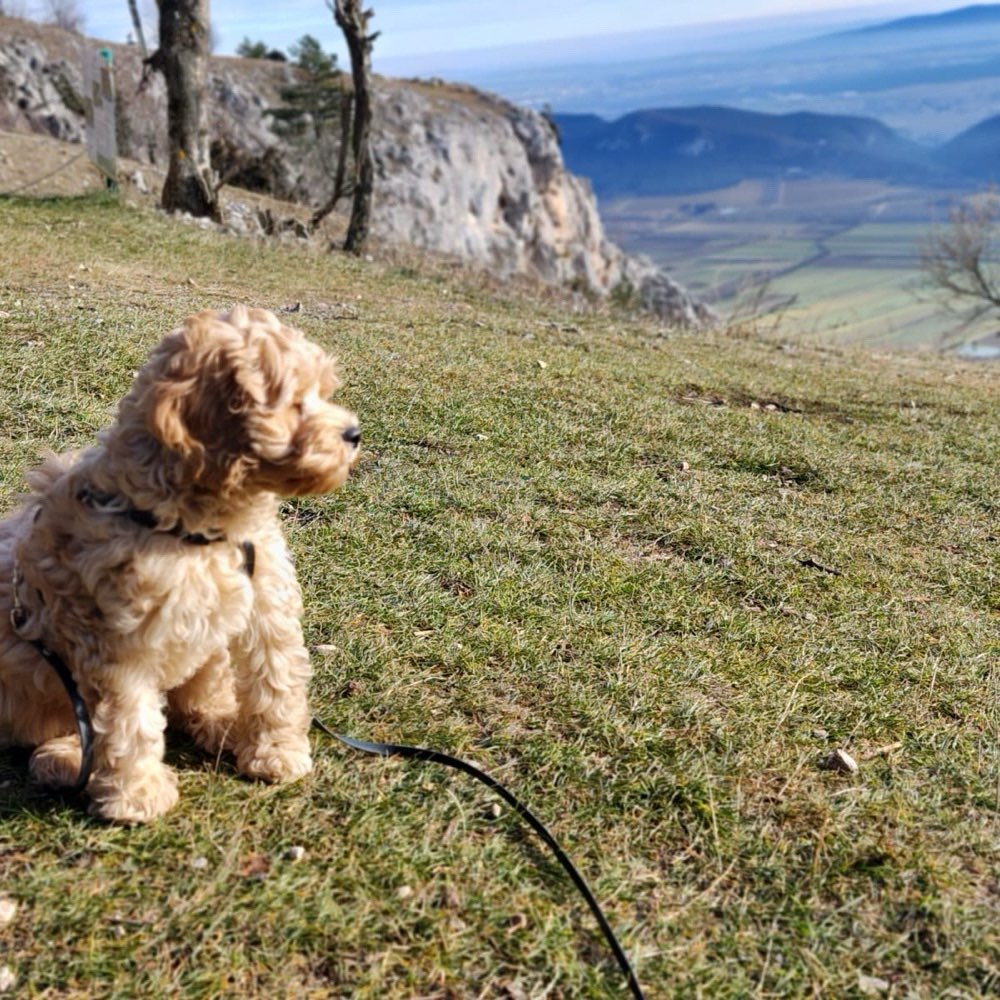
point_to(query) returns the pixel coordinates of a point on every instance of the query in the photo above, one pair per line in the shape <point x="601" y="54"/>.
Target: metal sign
<point x="99" y="106"/>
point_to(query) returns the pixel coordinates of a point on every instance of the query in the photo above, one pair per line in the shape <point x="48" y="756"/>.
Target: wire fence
<point x="44" y="177"/>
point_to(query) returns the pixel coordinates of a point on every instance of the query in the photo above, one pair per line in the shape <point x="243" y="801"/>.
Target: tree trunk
<point x="353" y="22"/>
<point x="133" y="9"/>
<point x="340" y="177"/>
<point x="183" y="59"/>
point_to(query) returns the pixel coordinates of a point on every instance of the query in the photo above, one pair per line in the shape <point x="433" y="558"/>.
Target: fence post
<point x="99" y="106"/>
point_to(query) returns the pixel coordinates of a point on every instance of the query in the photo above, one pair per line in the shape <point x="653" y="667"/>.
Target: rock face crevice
<point x="458" y="171"/>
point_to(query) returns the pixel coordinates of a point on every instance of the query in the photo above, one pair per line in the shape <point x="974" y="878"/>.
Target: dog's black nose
<point x="352" y="436"/>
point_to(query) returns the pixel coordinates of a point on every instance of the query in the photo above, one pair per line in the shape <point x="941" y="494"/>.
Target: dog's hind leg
<point x="34" y="706"/>
<point x="56" y="762"/>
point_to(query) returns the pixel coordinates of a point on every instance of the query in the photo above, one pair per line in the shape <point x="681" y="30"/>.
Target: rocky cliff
<point x="458" y="171"/>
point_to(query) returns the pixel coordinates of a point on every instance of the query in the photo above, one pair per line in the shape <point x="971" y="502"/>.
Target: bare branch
<point x="961" y="260"/>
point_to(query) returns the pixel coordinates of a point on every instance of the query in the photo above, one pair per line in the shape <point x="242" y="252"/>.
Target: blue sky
<point x="419" y="35"/>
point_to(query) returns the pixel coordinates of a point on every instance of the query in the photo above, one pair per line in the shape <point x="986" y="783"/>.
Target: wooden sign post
<point x="99" y="105"/>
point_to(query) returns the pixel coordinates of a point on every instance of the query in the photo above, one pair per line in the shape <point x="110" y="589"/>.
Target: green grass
<point x="649" y="581"/>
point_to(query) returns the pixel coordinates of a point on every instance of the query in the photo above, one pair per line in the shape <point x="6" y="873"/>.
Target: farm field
<point x="833" y="262"/>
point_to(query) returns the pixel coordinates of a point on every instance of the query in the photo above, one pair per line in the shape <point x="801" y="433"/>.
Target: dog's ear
<point x="193" y="402"/>
<point x="168" y="405"/>
<point x="278" y="359"/>
<point x="261" y="373"/>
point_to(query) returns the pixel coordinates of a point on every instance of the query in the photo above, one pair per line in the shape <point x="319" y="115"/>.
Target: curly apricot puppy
<point x="130" y="561"/>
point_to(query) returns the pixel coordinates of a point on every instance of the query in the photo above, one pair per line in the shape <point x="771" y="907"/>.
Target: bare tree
<point x="962" y="259"/>
<point x="65" y="14"/>
<point x="182" y="58"/>
<point x="353" y="22"/>
<point x="340" y="186"/>
<point x="133" y="9"/>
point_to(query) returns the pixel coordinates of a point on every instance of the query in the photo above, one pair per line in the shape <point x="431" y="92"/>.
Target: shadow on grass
<point x="19" y="794"/>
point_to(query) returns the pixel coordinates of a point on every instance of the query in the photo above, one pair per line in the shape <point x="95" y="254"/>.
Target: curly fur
<point x="229" y="413"/>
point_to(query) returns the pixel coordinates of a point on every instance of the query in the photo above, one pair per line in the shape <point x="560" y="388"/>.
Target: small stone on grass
<point x="872" y="986"/>
<point x="841" y="760"/>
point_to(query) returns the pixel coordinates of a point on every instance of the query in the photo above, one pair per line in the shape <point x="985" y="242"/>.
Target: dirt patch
<point x="37" y="166"/>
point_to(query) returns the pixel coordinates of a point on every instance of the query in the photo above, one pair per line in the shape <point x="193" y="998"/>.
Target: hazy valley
<point x="803" y="179"/>
<point x="825" y="260"/>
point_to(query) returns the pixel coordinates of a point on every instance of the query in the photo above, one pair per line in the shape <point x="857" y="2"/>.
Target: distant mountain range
<point x="984" y="15"/>
<point x="681" y="150"/>
<point x="927" y="77"/>
<point x="685" y="150"/>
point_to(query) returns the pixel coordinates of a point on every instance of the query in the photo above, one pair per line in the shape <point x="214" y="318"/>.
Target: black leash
<point x="80" y="714"/>
<point x="85" y="730"/>
<point x="436" y="757"/>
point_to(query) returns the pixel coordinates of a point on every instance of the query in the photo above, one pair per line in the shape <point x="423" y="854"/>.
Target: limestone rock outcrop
<point x="470" y="174"/>
<point x="458" y="171"/>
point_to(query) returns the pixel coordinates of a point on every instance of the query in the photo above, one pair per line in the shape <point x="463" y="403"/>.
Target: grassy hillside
<point x="649" y="581"/>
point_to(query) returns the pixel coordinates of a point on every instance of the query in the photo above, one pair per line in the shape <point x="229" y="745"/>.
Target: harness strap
<point x="112" y="503"/>
<point x="437" y="757"/>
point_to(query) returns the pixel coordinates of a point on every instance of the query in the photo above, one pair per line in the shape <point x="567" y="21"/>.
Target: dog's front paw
<point x="136" y="798"/>
<point x="275" y="760"/>
<point x="56" y="762"/>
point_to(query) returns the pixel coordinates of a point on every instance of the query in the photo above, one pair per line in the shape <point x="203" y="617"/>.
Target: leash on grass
<point x="86" y="733"/>
<point x="18" y="617"/>
<point x="437" y="757"/>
